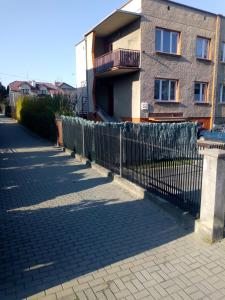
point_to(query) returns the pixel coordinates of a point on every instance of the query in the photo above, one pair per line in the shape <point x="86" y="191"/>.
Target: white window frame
<point x="169" y="90"/>
<point x="25" y="91"/>
<point x="206" y="42"/>
<point x="171" y="32"/>
<point x="223" y="52"/>
<point x="43" y="92"/>
<point x="201" y="100"/>
<point x="222" y="86"/>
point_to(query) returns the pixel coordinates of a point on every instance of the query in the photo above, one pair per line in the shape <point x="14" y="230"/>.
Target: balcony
<point x="120" y="61"/>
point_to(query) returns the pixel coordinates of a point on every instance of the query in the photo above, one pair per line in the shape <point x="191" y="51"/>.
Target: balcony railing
<point x="120" y="58"/>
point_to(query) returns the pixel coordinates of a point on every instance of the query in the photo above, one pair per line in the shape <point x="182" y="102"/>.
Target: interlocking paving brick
<point x="81" y="296"/>
<point x="130" y="286"/>
<point x="141" y="294"/>
<point x="90" y="294"/>
<point x="65" y="293"/>
<point x="109" y="295"/>
<point x="70" y="234"/>
<point x="122" y="294"/>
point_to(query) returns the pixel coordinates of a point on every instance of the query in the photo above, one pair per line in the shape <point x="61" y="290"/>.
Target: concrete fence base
<point x="211" y="224"/>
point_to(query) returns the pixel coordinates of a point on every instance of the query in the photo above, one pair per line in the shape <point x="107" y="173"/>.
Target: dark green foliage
<point x="38" y="114"/>
<point x="3" y="94"/>
<point x="8" y="111"/>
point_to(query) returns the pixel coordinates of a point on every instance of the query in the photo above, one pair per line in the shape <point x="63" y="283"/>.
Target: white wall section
<point x="133" y="6"/>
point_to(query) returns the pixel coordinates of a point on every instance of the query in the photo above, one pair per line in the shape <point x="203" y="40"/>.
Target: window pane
<point x="223" y="52"/>
<point x="174" y="42"/>
<point x="223" y="95"/>
<point x="166" y="41"/>
<point x="204" y="91"/>
<point x="158" y="40"/>
<point x="157" y="89"/>
<point x="197" y="92"/>
<point x="172" y="90"/>
<point x="206" y="48"/>
<point x="165" y="89"/>
<point x="199" y="47"/>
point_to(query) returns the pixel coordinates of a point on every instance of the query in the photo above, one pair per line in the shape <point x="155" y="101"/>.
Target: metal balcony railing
<point x="118" y="58"/>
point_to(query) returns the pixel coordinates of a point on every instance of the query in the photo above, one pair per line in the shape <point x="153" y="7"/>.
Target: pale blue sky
<point x="38" y="37"/>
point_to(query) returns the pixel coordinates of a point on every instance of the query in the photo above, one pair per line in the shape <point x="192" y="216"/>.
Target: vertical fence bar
<point x="121" y="153"/>
<point x="83" y="146"/>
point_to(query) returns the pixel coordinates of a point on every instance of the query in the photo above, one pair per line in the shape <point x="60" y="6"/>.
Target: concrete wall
<point x="100" y="46"/>
<point x="81" y="65"/>
<point x="90" y="40"/>
<point x="127" y="96"/>
<point x="128" y="37"/>
<point x="126" y="90"/>
<point x="133" y="6"/>
<point x="187" y="69"/>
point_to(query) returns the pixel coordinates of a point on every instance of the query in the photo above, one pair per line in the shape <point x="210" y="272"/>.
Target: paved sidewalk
<point x="68" y="233"/>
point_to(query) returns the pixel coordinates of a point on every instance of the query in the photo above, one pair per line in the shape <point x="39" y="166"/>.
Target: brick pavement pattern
<point x="68" y="233"/>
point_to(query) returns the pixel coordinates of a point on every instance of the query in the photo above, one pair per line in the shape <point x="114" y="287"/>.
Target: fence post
<point x="121" y="153"/>
<point x="83" y="144"/>
<point x="211" y="223"/>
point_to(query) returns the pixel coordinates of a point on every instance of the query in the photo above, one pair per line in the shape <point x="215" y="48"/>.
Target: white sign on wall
<point x="144" y="105"/>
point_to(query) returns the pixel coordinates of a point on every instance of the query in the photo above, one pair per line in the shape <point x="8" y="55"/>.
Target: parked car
<point x="213" y="135"/>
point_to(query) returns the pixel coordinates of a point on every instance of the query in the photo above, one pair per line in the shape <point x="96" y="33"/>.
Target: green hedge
<point x="38" y="114"/>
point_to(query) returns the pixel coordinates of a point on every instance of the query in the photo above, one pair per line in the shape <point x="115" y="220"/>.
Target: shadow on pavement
<point x="47" y="240"/>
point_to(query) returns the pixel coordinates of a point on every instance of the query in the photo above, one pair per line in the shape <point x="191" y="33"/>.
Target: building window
<point x="166" y="41"/>
<point x="222" y="93"/>
<point x="25" y="91"/>
<point x="201" y="91"/>
<point x="202" y="48"/>
<point x="223" y="53"/>
<point x="165" y="90"/>
<point x="43" y="92"/>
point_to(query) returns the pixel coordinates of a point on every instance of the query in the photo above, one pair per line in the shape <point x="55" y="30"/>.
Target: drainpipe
<point x="215" y="71"/>
<point x="86" y="74"/>
<point x="94" y="79"/>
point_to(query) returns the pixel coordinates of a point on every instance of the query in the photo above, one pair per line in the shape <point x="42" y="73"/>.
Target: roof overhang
<point x="116" y="71"/>
<point x="118" y="19"/>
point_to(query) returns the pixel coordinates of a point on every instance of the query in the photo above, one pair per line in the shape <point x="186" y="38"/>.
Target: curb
<point x="101" y="170"/>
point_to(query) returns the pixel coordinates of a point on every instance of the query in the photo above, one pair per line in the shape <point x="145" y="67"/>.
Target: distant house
<point x="39" y="89"/>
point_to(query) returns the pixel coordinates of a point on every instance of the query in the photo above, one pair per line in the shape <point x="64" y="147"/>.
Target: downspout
<point x="94" y="79"/>
<point x="86" y="74"/>
<point x="215" y="71"/>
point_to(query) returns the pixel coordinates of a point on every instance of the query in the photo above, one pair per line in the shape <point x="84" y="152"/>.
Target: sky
<point x="37" y="38"/>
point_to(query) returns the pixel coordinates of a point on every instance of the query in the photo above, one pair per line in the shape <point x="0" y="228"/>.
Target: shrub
<point x="38" y="114"/>
<point x="19" y="104"/>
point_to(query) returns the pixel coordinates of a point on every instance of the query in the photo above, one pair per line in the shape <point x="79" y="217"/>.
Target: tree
<point x="3" y="93"/>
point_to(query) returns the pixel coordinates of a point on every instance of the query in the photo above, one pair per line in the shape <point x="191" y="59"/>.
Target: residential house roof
<point x="15" y="85"/>
<point x="54" y="88"/>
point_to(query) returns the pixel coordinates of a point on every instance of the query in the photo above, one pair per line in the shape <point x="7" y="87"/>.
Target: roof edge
<point x="78" y="43"/>
<point x="116" y="10"/>
<point x="192" y="7"/>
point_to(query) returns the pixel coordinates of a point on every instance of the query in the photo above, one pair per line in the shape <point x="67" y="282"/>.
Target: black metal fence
<point x="165" y="163"/>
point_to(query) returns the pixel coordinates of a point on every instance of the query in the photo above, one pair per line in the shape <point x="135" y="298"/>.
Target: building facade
<point x="155" y="61"/>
